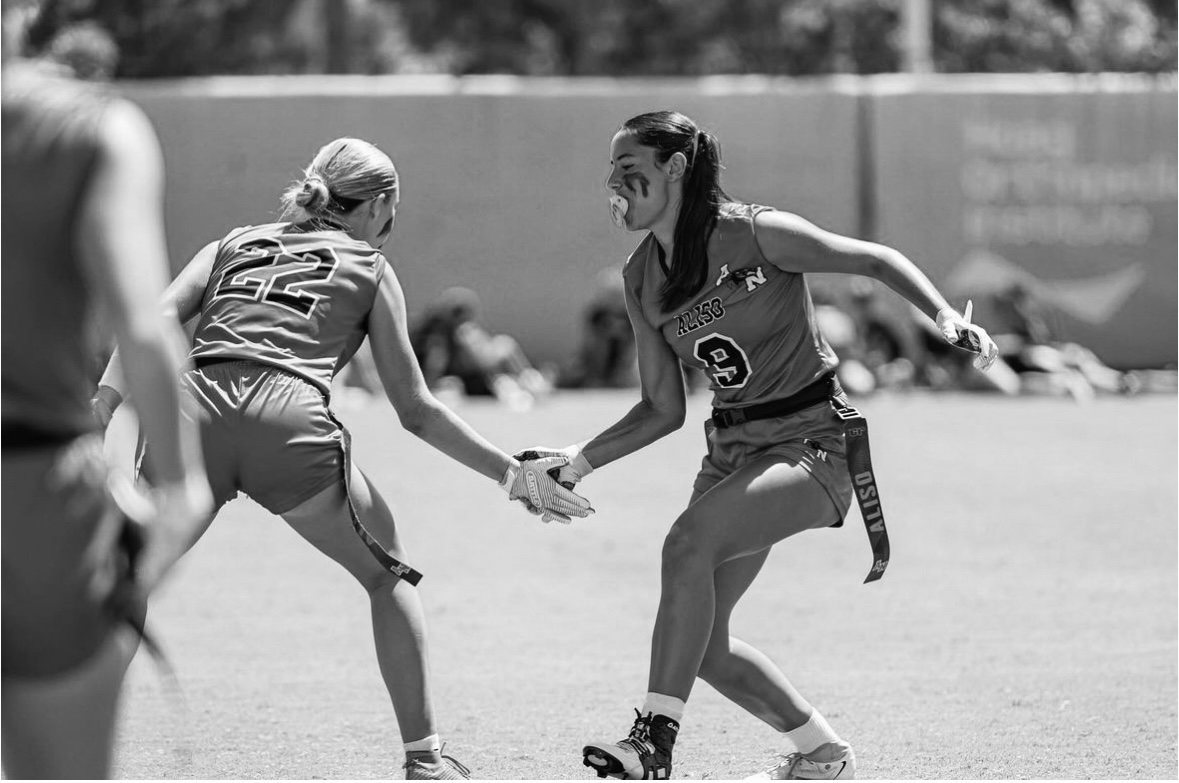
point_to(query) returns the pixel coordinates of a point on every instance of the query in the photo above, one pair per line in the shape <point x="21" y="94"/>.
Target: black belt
<point x="18" y="436"/>
<point x="202" y="362"/>
<point x="859" y="457"/>
<point x="820" y="391"/>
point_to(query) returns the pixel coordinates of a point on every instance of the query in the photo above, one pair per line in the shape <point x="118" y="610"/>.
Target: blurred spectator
<point x="606" y="356"/>
<point x="87" y="49"/>
<point x="1045" y="364"/>
<point x="880" y="347"/>
<point x="457" y="353"/>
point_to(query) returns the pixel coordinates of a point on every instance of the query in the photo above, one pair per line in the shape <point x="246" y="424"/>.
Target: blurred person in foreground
<point x="280" y="308"/>
<point x="720" y="284"/>
<point x="456" y="351"/>
<point x="83" y="234"/>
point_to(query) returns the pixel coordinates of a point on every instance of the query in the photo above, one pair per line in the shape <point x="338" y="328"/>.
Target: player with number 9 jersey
<point x="719" y="285"/>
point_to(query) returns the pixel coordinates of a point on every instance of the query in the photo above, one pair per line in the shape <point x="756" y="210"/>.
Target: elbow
<point x="670" y="419"/>
<point x="418" y="417"/>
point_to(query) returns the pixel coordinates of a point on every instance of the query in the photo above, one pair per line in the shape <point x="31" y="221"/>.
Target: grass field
<point x="1026" y="628"/>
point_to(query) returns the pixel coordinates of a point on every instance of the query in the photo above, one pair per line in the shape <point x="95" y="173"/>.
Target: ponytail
<point x="699" y="208"/>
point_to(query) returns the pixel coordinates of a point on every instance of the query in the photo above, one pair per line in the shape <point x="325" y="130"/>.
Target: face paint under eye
<point x="618" y="209"/>
<point x="644" y="184"/>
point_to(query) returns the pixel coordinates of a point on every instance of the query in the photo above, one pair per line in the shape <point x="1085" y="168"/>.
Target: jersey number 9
<point x="724" y="359"/>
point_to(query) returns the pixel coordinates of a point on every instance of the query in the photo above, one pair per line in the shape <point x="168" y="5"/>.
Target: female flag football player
<point x="719" y="284"/>
<point x="83" y="225"/>
<point x="280" y="308"/>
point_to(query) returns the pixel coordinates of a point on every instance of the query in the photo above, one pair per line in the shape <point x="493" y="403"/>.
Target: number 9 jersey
<point x="751" y="328"/>
<point x="296" y="296"/>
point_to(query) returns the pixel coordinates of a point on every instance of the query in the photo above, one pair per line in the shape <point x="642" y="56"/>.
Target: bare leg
<point x="764" y="502"/>
<point x="63" y="727"/>
<point x="736" y="669"/>
<point x="398" y="619"/>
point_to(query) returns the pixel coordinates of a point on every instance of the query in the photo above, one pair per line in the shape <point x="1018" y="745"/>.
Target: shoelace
<point x="789" y="761"/>
<point x="640" y="735"/>
<point x="457" y="765"/>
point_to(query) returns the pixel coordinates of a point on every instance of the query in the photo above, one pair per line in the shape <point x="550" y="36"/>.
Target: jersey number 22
<point x="240" y="279"/>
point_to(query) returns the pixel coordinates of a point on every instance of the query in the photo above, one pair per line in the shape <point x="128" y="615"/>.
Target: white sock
<point x="660" y="704"/>
<point x="812" y="734"/>
<point x="429" y="744"/>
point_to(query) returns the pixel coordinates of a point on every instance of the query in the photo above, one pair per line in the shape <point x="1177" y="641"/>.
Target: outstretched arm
<point x="180" y="302"/>
<point x="427" y="418"/>
<point x="659" y="412"/>
<point x="794" y="244"/>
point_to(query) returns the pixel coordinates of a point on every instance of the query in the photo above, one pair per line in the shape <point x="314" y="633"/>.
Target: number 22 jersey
<point x="751" y="327"/>
<point x="296" y="296"/>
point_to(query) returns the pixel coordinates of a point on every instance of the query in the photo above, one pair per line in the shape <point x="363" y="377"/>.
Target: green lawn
<point x="1026" y="628"/>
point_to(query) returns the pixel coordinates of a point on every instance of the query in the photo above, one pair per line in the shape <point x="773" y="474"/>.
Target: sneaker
<point x="833" y="761"/>
<point x="434" y="766"/>
<point x="644" y="755"/>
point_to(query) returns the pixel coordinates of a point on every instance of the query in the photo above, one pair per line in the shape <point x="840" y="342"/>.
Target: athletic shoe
<point x="644" y="755"/>
<point x="431" y="766"/>
<point x="833" y="761"/>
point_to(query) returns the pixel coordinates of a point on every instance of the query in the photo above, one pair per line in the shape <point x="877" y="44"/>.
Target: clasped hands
<point x="543" y="480"/>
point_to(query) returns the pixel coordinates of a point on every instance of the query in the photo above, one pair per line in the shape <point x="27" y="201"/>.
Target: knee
<point x="379" y="583"/>
<point x="685" y="547"/>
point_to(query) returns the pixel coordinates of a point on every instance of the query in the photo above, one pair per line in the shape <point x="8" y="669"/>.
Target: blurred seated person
<point x="606" y="356"/>
<point x="456" y="352"/>
<point x="1047" y="365"/>
<point x="874" y="345"/>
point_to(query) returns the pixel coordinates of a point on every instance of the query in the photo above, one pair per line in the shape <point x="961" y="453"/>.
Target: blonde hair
<point x="344" y="173"/>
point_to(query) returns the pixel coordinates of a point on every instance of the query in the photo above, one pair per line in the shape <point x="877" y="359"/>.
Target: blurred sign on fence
<point x="1062" y="186"/>
<point x="1066" y="185"/>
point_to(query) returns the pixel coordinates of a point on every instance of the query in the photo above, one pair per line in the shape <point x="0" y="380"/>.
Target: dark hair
<point x="669" y="132"/>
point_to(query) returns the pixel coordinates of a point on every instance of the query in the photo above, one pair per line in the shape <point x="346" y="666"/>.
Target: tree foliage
<point x="166" y="38"/>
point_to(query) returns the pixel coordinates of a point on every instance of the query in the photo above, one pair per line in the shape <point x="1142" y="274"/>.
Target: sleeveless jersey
<point x="294" y="296"/>
<point x="752" y="326"/>
<point x="51" y="342"/>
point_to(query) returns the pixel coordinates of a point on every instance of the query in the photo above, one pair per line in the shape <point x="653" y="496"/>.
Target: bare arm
<point x="182" y="302"/>
<point x="661" y="409"/>
<point x="419" y="411"/>
<point x="121" y="241"/>
<point x="795" y="244"/>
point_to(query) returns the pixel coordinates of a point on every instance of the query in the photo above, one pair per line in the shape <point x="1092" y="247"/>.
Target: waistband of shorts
<point x="205" y="362"/>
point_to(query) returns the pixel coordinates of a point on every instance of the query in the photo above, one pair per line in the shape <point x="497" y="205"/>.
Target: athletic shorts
<point x="265" y="432"/>
<point x="59" y="528"/>
<point x="811" y="439"/>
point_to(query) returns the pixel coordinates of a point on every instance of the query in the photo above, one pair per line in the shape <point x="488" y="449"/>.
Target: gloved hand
<point x="576" y="466"/>
<point x="530" y="481"/>
<point x="960" y="333"/>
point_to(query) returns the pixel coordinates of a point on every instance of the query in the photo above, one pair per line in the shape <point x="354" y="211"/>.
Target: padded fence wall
<point x="1067" y="183"/>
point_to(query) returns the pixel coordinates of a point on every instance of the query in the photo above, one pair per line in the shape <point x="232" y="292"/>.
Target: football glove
<point x="530" y="481"/>
<point x="960" y="333"/>
<point x="576" y="466"/>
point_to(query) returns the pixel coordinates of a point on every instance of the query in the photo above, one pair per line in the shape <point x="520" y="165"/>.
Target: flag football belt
<point x="382" y="555"/>
<point x="859" y="457"/>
